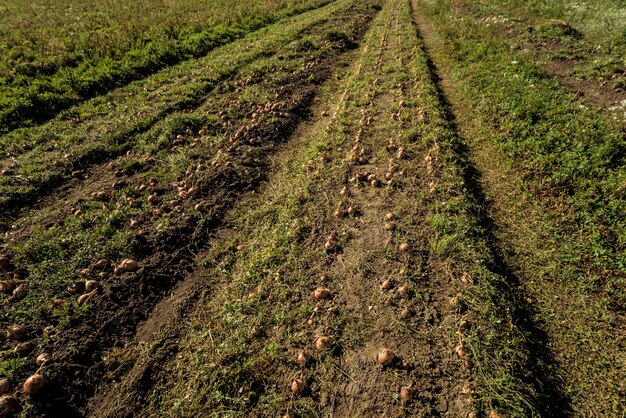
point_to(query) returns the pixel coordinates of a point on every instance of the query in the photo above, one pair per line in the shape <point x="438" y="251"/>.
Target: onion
<point x="466" y="279"/>
<point x="389" y="226"/>
<point x="404" y="290"/>
<point x="406" y="392"/>
<point x="454" y="301"/>
<point x="91" y="285"/>
<point x="200" y="207"/>
<point x="330" y="245"/>
<point x="9" y="405"/>
<point x="388" y="176"/>
<point x="42" y="359"/>
<point x="340" y="213"/>
<point x="322" y="343"/>
<point x="49" y="331"/>
<point x="34" y="385"/>
<point x="321" y="293"/>
<point x="153" y="198"/>
<point x="460" y="349"/>
<point x="7" y="286"/>
<point x="374" y="183"/>
<point x="129" y="265"/>
<point x="343" y="191"/>
<point x="5" y="386"/>
<point x="387" y="284"/>
<point x="405" y="313"/>
<point x="404" y="247"/>
<point x="84" y="298"/>
<point x="16" y="332"/>
<point x="351" y="210"/>
<point x="100" y="264"/>
<point x="390" y="216"/>
<point x="4" y="262"/>
<point x="467" y="365"/>
<point x="298" y="386"/>
<point x="134" y="223"/>
<point x="385" y="357"/>
<point x="20" y="292"/>
<point x="371" y="177"/>
<point x="303" y="358"/>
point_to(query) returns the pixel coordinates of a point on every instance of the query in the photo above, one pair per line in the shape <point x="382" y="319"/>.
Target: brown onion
<point x="91" y="285"/>
<point x="16" y="332"/>
<point x="404" y="247"/>
<point x="321" y="293"/>
<point x="20" y="292"/>
<point x="387" y="284"/>
<point x="389" y="226"/>
<point x="42" y="359"/>
<point x="385" y="357"/>
<point x="5" y="386"/>
<point x="390" y="216"/>
<point x="9" y="405"/>
<point x="406" y="392"/>
<point x="129" y="265"/>
<point x="7" y="286"/>
<point x="304" y="357"/>
<point x="322" y="343"/>
<point x="34" y="385"/>
<point x="298" y="386"/>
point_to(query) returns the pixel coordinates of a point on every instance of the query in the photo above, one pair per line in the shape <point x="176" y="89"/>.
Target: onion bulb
<point x="16" y="332"/>
<point x="4" y="262"/>
<point x="7" y="286"/>
<point x="385" y="357"/>
<point x="298" y="386"/>
<point x="460" y="349"/>
<point x="303" y="358"/>
<point x="321" y="293"/>
<point x="466" y="279"/>
<point x="404" y="247"/>
<point x="389" y="226"/>
<point x="9" y="405"/>
<point x="406" y="392"/>
<point x="129" y="265"/>
<point x="91" y="285"/>
<point x="351" y="210"/>
<point x="374" y="183"/>
<point x="20" y="292"/>
<point x="322" y="343"/>
<point x="34" y="385"/>
<point x="387" y="284"/>
<point x="42" y="359"/>
<point x="390" y="216"/>
<point x="5" y="386"/>
<point x="404" y="290"/>
<point x="84" y="298"/>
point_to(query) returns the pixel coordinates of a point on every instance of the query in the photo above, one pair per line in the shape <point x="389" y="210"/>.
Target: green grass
<point x="56" y="55"/>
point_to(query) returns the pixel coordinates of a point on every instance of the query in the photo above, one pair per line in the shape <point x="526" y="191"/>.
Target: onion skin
<point x="34" y="385"/>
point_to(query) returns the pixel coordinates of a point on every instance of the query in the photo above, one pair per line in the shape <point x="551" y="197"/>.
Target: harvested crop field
<point x="313" y="208"/>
